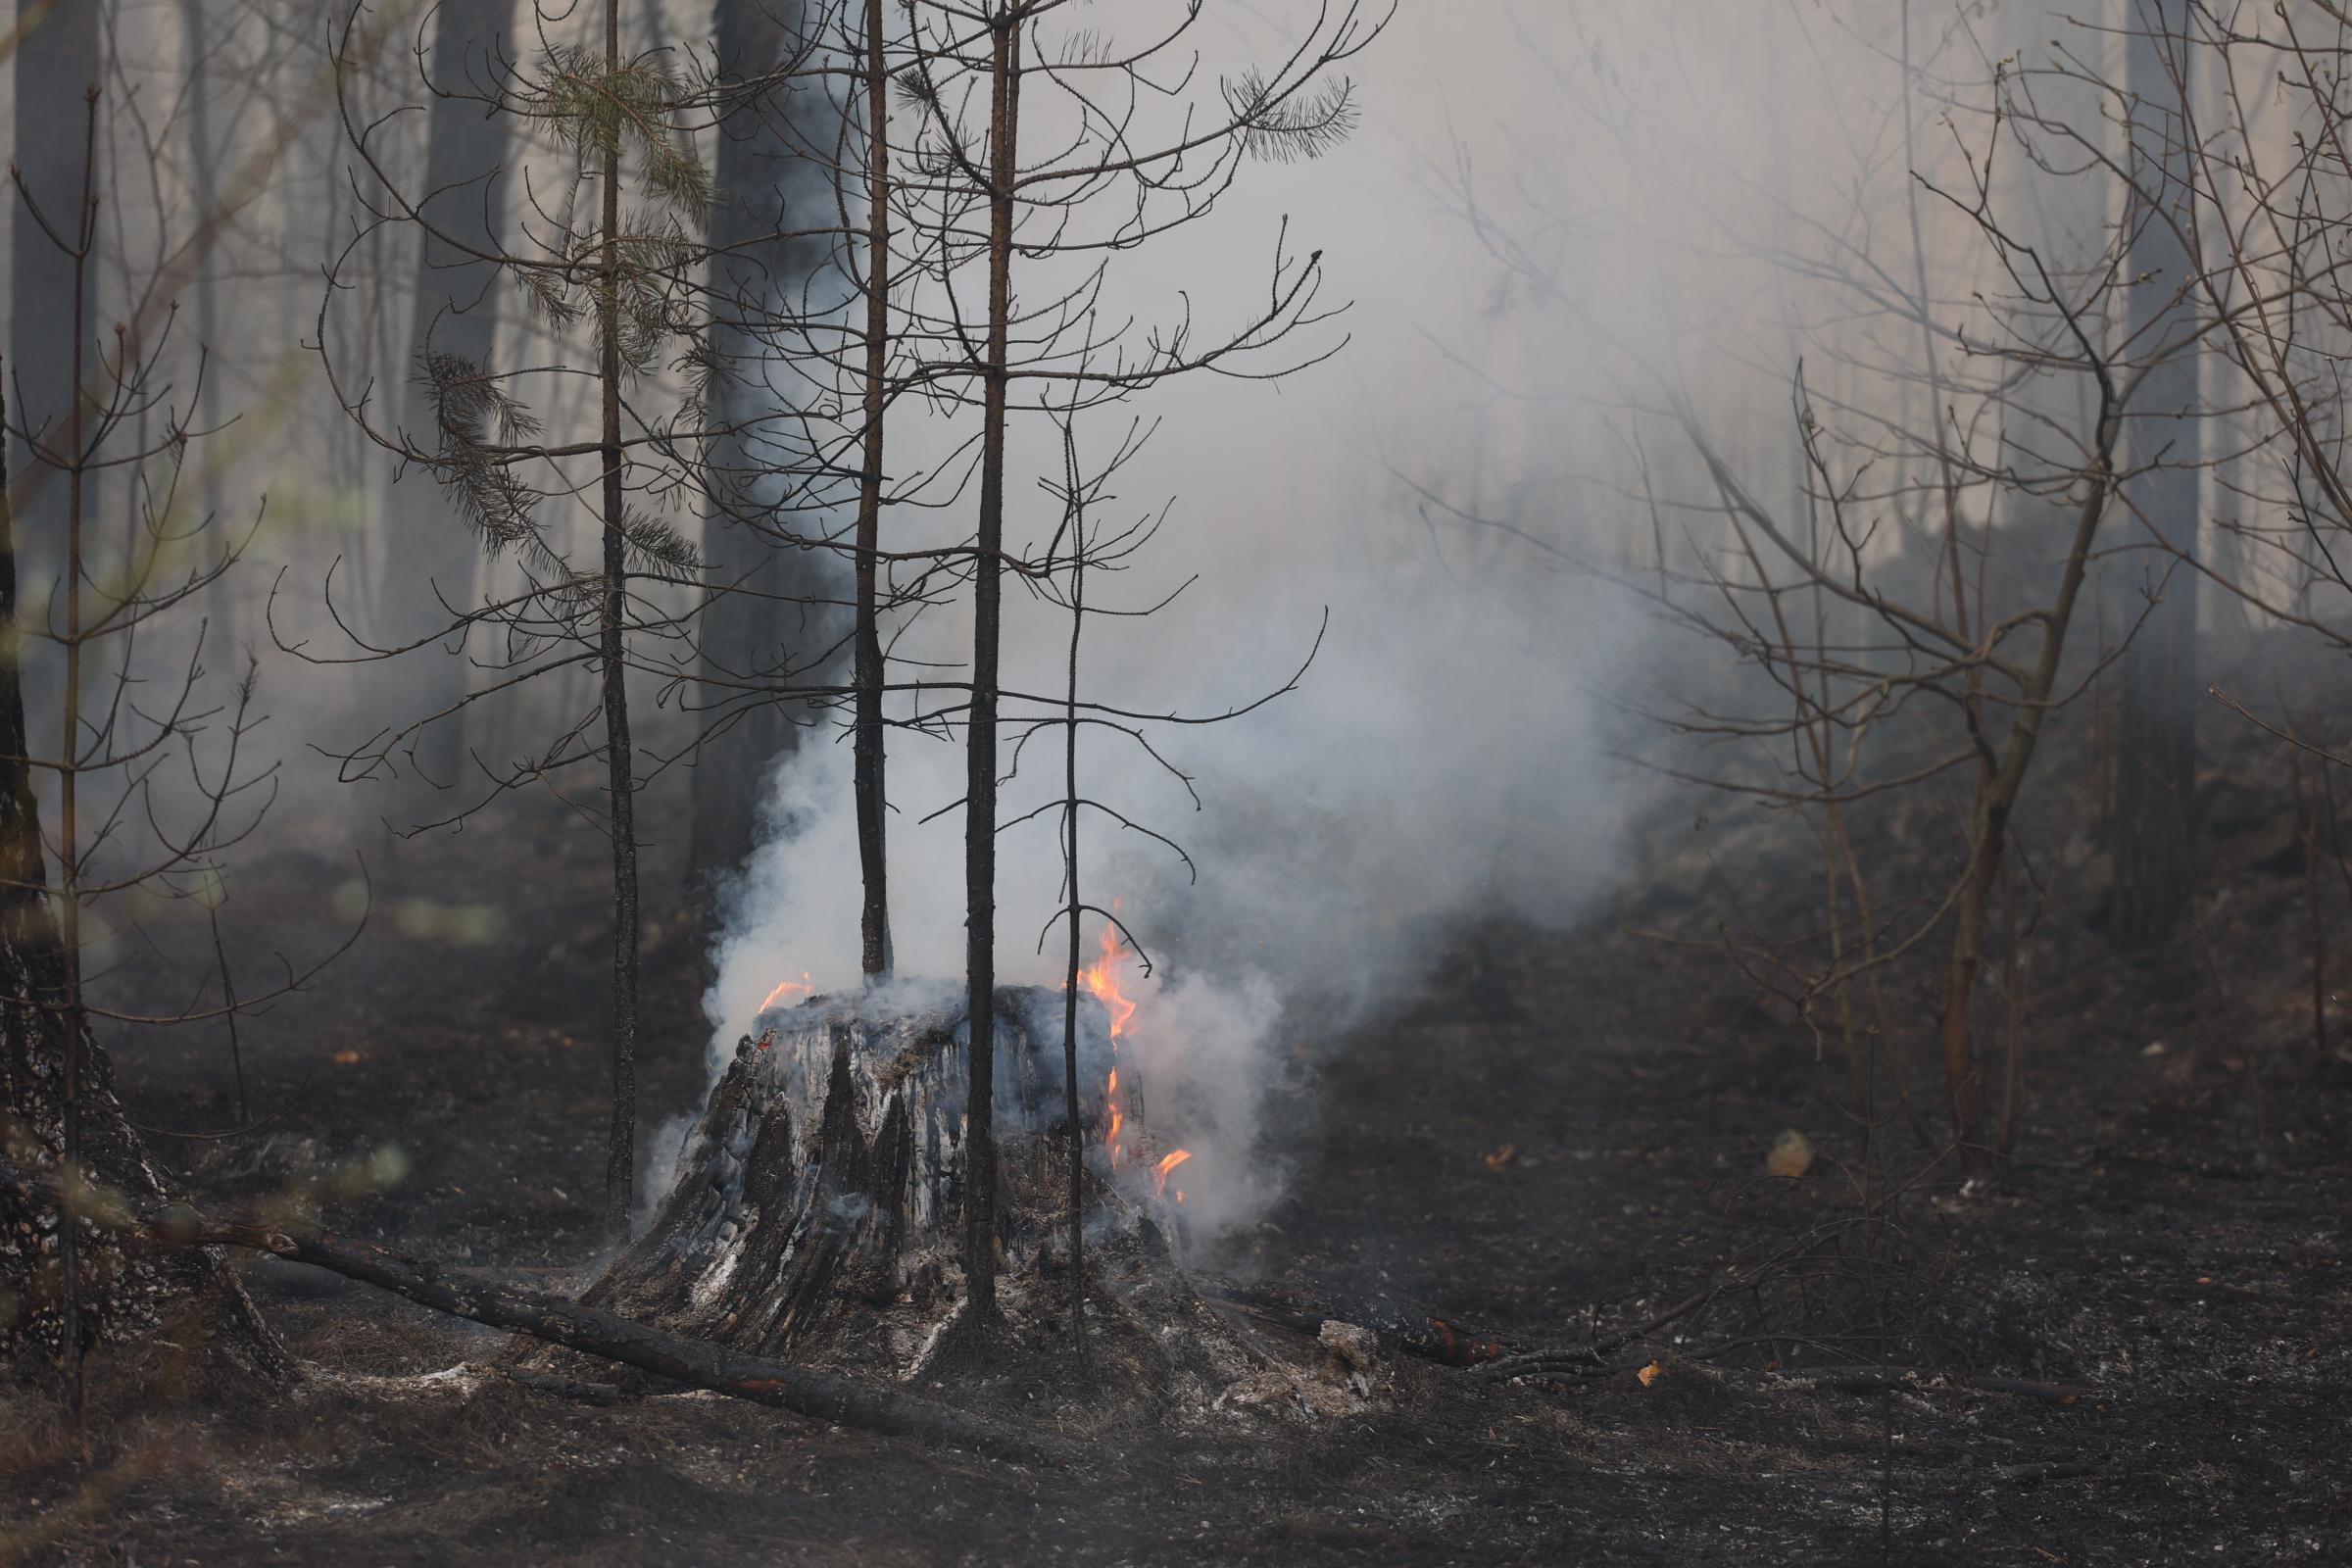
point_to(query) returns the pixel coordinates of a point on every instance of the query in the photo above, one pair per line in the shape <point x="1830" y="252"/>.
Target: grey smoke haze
<point x="1442" y="757"/>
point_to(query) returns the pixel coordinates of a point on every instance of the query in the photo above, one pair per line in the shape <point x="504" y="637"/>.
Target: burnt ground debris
<point x="1561" y="1133"/>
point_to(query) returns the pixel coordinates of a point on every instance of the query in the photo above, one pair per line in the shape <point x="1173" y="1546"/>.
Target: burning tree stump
<point x="816" y="1213"/>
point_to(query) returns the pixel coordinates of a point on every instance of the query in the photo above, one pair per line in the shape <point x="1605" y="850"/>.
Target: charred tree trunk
<point x="456" y="325"/>
<point x="1074" y="909"/>
<point x="620" y="1148"/>
<point x="68" y="765"/>
<point x="123" y="1293"/>
<point x="872" y="792"/>
<point x="779" y="614"/>
<point x="980" y="776"/>
<point x="2153" y="826"/>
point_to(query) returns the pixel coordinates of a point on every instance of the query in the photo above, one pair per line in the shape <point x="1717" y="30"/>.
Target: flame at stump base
<point x="818" y="1211"/>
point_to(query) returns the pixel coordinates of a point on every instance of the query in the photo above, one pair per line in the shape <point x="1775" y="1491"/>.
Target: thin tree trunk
<point x="2154" y="826"/>
<point x="23" y="879"/>
<point x="980" y="784"/>
<point x="201" y="165"/>
<point x="2307" y="782"/>
<point x="620" y="1148"/>
<point x="229" y="1005"/>
<point x="1996" y="802"/>
<point x="1077" y="905"/>
<point x="872" y="792"/>
<point x="69" y="755"/>
<point x="2013" y="1015"/>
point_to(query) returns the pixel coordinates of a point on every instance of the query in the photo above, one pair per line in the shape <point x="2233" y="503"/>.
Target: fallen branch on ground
<point x="1583" y="1360"/>
<point x="559" y="1321"/>
<point x="1912" y="1380"/>
<point x="562" y="1388"/>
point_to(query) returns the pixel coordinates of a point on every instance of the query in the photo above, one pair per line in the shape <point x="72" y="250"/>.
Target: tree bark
<point x="1076" y="908"/>
<point x="980" y="776"/>
<point x="84" y="231"/>
<point x="2153" y="825"/>
<point x="872" y="792"/>
<point x="620" y="1147"/>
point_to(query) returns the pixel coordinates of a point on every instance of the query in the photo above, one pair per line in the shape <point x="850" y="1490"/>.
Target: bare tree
<point x="1955" y="401"/>
<point x="1110" y="183"/>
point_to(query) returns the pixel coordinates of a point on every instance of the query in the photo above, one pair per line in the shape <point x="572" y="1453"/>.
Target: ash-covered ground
<point x="1562" y="1135"/>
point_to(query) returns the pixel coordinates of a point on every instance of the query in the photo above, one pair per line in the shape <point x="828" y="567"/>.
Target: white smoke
<point x="1440" y="761"/>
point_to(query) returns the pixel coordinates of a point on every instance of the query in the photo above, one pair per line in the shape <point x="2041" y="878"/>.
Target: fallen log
<point x="560" y="1321"/>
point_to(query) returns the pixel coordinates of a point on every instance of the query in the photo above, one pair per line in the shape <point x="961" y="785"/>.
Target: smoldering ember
<point x="1175" y="782"/>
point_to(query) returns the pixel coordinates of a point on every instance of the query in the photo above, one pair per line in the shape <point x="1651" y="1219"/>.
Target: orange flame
<point x="1101" y="981"/>
<point x="1110" y="1139"/>
<point x="786" y="988"/>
